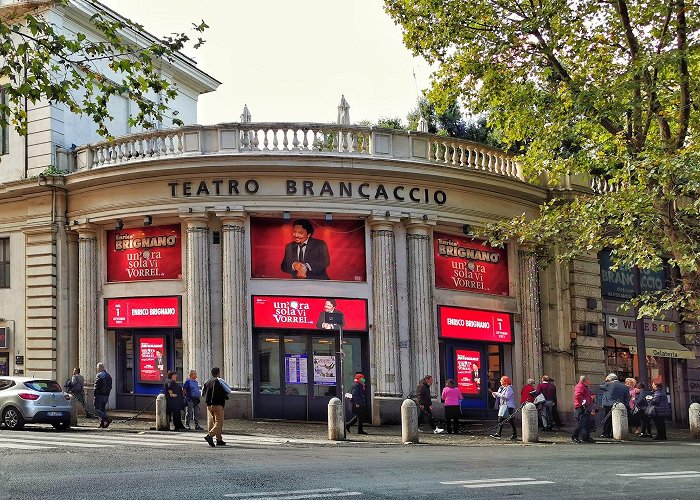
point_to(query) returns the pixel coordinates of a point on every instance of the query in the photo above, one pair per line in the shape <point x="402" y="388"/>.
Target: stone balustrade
<point x="304" y="138"/>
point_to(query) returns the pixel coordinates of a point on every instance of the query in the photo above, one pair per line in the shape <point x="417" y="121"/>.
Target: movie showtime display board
<point x="469" y="265"/>
<point x="306" y="313"/>
<point x="143" y="312"/>
<point x="151" y="359"/>
<point x="336" y="250"/>
<point x="474" y="324"/>
<point x="468" y="366"/>
<point x="145" y="253"/>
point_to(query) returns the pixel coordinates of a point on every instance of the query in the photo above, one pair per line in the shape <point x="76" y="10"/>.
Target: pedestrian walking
<point x="425" y="404"/>
<point x="102" y="389"/>
<point x="525" y="392"/>
<point x="658" y="410"/>
<point x="174" y="400"/>
<point x="215" y="394"/>
<point x="192" y="394"/>
<point x="506" y="407"/>
<point x="451" y="395"/>
<point x="640" y="406"/>
<point x="633" y="420"/>
<point x="359" y="403"/>
<point x="76" y="386"/>
<point x="549" y="391"/>
<point x="613" y="391"/>
<point x="583" y="410"/>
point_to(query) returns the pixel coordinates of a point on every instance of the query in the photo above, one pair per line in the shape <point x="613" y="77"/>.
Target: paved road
<point x="110" y="464"/>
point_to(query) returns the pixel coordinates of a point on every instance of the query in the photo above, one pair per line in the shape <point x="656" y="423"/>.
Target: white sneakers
<point x="438" y="430"/>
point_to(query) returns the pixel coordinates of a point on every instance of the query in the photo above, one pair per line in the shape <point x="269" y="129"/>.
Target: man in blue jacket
<point x="192" y="395"/>
<point x="613" y="391"/>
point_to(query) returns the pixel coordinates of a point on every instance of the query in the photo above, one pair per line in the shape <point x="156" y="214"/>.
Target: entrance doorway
<point x="297" y="374"/>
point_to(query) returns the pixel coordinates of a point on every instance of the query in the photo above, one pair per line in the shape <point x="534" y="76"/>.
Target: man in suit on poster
<point x="329" y="307"/>
<point x="306" y="257"/>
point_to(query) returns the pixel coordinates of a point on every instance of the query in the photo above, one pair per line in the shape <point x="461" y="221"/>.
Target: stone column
<point x="87" y="302"/>
<point x="528" y="271"/>
<point x="422" y="336"/>
<point x="197" y="337"/>
<point x="385" y="308"/>
<point x="235" y="310"/>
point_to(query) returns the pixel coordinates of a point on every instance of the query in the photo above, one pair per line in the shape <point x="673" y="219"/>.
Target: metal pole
<point x="641" y="340"/>
<point x="340" y="369"/>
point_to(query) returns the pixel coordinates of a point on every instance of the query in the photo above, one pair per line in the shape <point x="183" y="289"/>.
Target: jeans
<point x="100" y="405"/>
<point x="215" y="421"/>
<point x="192" y="413"/>
<point x="583" y="424"/>
<point x="547" y="414"/>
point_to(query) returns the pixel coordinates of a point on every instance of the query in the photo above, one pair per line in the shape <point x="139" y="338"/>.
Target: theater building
<point x="225" y="245"/>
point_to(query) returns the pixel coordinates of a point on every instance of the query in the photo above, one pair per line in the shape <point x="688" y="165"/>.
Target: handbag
<point x="650" y="411"/>
<point x="539" y="399"/>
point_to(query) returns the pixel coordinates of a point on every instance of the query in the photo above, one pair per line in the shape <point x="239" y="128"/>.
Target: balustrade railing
<point x="305" y="138"/>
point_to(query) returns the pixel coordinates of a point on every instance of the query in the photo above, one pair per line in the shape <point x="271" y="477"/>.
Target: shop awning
<point x="656" y="347"/>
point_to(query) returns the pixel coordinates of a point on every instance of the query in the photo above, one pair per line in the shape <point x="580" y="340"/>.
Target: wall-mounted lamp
<point x="591" y="303"/>
<point x="329" y="217"/>
<point x="119" y="225"/>
<point x="75" y="222"/>
<point x="387" y="214"/>
<point x="147" y="220"/>
<point x="589" y="329"/>
<point x="467" y="229"/>
<point x="425" y="216"/>
<point x="287" y="216"/>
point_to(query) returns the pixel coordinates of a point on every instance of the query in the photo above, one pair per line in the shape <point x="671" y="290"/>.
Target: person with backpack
<point x="215" y="394"/>
<point x="192" y="394"/>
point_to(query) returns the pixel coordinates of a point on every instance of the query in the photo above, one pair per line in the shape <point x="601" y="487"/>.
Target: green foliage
<point x="43" y="63"/>
<point x="589" y="88"/>
<point x="394" y="123"/>
<point x="53" y="170"/>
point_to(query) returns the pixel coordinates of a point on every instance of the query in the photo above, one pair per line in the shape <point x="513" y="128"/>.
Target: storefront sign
<point x="143" y="312"/>
<point x="3" y="337"/>
<point x="472" y="324"/>
<point x="652" y="327"/>
<point x="145" y="253"/>
<point x="306" y="313"/>
<point x="324" y="370"/>
<point x="151" y="359"/>
<point x="296" y="368"/>
<point x="333" y="251"/>
<point x="468" y="377"/>
<point x="619" y="284"/>
<point x="473" y="266"/>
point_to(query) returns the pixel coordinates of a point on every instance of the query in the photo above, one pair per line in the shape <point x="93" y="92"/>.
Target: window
<point x="6" y="384"/>
<point x="43" y="386"/>
<point x="4" y="262"/>
<point x="4" y="141"/>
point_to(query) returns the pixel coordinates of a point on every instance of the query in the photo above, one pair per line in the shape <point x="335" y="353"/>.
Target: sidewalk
<point x="316" y="433"/>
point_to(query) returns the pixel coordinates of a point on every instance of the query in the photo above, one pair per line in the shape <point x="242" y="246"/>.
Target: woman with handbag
<point x="658" y="410"/>
<point x="641" y="404"/>
<point x="506" y="407"/>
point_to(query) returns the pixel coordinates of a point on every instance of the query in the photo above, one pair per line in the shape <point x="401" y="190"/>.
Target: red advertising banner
<point x="151" y="359"/>
<point x="307" y="312"/>
<point x="331" y="251"/>
<point x="143" y="312"/>
<point x="467" y="265"/>
<point x="473" y="324"/>
<point x="468" y="364"/>
<point x="145" y="253"/>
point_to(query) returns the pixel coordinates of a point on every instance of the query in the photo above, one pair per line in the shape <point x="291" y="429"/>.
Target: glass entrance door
<point x="296" y="377"/>
<point x="324" y="383"/>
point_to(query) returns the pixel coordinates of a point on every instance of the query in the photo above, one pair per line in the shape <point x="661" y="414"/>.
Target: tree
<point x="606" y="89"/>
<point x="83" y="72"/>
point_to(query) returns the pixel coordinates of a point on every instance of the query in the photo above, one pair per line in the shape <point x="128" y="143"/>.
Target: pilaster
<point x="87" y="300"/>
<point x="528" y="270"/>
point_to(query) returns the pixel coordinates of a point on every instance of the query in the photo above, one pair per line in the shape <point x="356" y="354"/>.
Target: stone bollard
<point x="409" y="422"/>
<point x="73" y="411"/>
<point x="336" y="420"/>
<point x="161" y="415"/>
<point x="620" y="425"/>
<point x="694" y="419"/>
<point x="530" y="423"/>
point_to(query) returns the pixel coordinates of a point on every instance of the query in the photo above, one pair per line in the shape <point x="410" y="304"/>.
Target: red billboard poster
<point x="473" y="324"/>
<point x="308" y="249"/>
<point x="468" y="365"/>
<point x="151" y="359"/>
<point x="143" y="312"/>
<point x="469" y="265"/>
<point x="144" y="253"/>
<point x="307" y="313"/>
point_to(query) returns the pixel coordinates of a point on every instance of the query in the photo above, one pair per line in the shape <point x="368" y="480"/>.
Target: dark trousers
<point x="645" y="424"/>
<point x="100" y="405"/>
<point x="358" y="415"/>
<point x="607" y="421"/>
<point x="174" y="415"/>
<point x="452" y="419"/>
<point x="583" y="424"/>
<point x="660" y="423"/>
<point x="501" y="421"/>
<point x="425" y="413"/>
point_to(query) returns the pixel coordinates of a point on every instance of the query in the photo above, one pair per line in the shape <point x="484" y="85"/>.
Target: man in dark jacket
<point x="661" y="409"/>
<point x="103" y="386"/>
<point x="613" y="391"/>
<point x="425" y="404"/>
<point x="305" y="257"/>
<point x="215" y="394"/>
<point x="359" y="404"/>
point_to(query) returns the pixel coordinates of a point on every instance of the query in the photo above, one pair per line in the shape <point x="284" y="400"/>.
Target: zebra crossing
<point x="498" y="482"/>
<point x="683" y="474"/>
<point x="294" y="494"/>
<point x="48" y="440"/>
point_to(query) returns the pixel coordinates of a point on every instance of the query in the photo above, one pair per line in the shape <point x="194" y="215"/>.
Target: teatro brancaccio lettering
<point x="290" y="187"/>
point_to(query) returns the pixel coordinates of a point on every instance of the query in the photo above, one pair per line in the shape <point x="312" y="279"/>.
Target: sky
<point x="292" y="60"/>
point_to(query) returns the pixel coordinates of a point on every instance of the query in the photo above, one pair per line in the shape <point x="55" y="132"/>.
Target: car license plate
<point x="55" y="414"/>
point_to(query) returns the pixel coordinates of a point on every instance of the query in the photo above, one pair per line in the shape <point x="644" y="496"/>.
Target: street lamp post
<point x="336" y="319"/>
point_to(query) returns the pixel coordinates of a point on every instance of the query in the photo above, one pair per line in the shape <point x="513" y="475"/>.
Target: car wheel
<point x="12" y="418"/>
<point x="61" y="426"/>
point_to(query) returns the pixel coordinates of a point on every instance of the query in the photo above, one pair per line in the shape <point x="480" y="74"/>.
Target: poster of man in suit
<point x="305" y="256"/>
